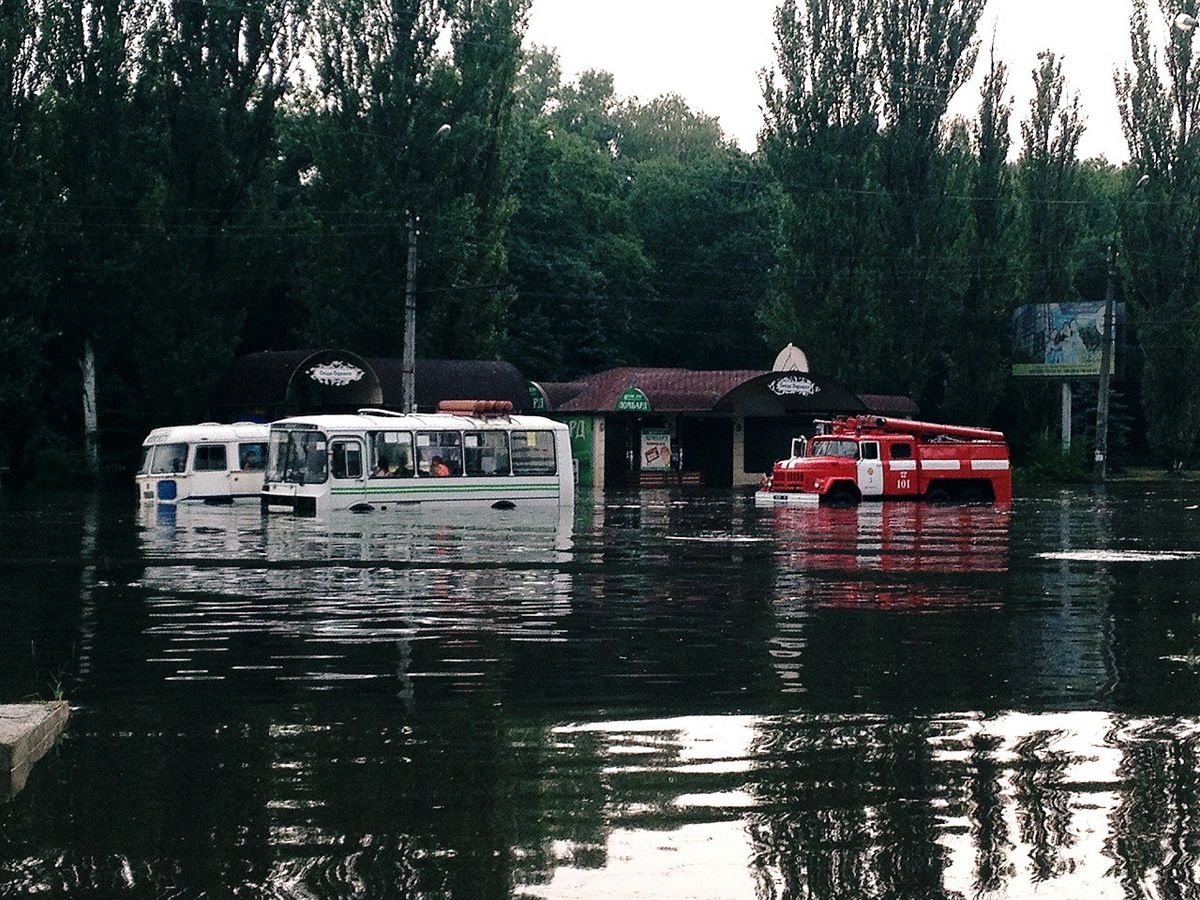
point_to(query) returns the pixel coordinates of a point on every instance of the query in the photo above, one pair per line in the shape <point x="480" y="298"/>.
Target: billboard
<point x="1059" y="340"/>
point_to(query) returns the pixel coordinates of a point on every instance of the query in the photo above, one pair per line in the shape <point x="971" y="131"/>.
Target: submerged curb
<point x="27" y="732"/>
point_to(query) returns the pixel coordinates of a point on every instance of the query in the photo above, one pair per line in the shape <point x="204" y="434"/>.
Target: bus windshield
<point x="297" y="457"/>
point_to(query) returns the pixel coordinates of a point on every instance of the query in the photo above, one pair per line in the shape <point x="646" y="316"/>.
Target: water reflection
<point x="671" y="695"/>
<point x="231" y="594"/>
<point x="837" y="806"/>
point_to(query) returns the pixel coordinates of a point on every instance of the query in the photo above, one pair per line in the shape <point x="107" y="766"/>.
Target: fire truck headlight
<point x="817" y="483"/>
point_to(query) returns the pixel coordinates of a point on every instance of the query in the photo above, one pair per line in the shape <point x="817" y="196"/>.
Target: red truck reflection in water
<point x="871" y="457"/>
<point x="895" y="556"/>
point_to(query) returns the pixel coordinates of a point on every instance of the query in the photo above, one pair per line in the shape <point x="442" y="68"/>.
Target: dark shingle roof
<point x="668" y="390"/>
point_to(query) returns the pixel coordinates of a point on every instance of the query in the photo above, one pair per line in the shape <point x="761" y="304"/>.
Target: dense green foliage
<point x="183" y="181"/>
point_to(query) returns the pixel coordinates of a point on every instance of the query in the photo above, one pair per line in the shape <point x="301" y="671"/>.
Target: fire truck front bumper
<point x="786" y="498"/>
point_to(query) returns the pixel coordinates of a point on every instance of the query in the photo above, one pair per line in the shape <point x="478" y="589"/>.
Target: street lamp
<point x="1099" y="469"/>
<point x="408" y="360"/>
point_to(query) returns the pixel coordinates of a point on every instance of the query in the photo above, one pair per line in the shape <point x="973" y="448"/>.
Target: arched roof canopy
<point x="776" y="394"/>
<point x="271" y="384"/>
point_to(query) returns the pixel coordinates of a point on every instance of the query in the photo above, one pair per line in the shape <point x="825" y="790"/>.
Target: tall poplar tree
<point x="979" y="360"/>
<point x="871" y="275"/>
<point x="1161" y="231"/>
<point x="821" y="140"/>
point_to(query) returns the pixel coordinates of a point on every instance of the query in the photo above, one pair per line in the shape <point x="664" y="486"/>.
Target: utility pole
<point x="408" y="362"/>
<point x="1108" y="339"/>
<point x="1099" y="470"/>
<point x="91" y="440"/>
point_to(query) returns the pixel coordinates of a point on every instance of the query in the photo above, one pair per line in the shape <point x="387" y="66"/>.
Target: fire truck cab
<point x="875" y="458"/>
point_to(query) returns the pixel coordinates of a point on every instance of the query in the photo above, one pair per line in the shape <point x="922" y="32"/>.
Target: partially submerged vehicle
<point x="471" y="453"/>
<point x="208" y="462"/>
<point x="874" y="458"/>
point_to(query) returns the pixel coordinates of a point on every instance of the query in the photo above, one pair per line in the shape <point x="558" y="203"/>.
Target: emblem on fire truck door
<point x="903" y="482"/>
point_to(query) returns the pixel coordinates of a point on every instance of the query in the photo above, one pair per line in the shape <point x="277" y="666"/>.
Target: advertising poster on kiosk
<point x="656" y="449"/>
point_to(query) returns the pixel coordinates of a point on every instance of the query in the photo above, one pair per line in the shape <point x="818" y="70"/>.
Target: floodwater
<point x="671" y="695"/>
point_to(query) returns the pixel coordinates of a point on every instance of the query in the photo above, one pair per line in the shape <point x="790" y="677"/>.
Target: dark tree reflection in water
<point x="666" y="695"/>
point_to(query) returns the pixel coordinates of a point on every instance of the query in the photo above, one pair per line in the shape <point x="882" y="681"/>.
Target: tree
<point x="1049" y="178"/>
<point x="924" y="51"/>
<point x="978" y="362"/>
<point x="1161" y="232"/>
<point x="23" y="328"/>
<point x="821" y="141"/>
<point x="365" y="148"/>
<point x="872" y="270"/>
<point x="575" y="259"/>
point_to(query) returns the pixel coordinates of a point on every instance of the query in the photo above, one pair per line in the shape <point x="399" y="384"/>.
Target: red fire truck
<point x="873" y="458"/>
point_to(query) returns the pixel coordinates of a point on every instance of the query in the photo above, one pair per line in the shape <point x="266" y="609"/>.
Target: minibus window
<point x="486" y="453"/>
<point x="346" y="459"/>
<point x="252" y="457"/>
<point x="533" y="453"/>
<point x="392" y="455"/>
<point x="209" y="458"/>
<point x="144" y="465"/>
<point x="297" y="457"/>
<point x="439" y="453"/>
<point x="169" y="459"/>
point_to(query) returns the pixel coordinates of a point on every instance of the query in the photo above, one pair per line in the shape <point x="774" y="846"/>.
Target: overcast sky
<point x="711" y="53"/>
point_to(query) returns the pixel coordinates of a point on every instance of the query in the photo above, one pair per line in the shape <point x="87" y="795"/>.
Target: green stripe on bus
<point x="448" y="489"/>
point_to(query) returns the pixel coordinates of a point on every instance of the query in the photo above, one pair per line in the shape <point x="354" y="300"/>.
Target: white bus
<point x="379" y="459"/>
<point x="208" y="462"/>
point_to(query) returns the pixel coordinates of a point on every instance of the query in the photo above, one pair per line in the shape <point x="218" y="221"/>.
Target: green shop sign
<point x="633" y="400"/>
<point x="583" y="447"/>
<point x="537" y="397"/>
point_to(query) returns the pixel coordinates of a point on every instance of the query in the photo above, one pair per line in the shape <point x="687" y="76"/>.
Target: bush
<point x="1048" y="462"/>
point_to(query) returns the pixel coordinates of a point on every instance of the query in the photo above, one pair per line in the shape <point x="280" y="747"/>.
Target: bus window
<point x="486" y="453"/>
<point x="297" y="457"/>
<point x="533" y="453"/>
<point x="392" y="455"/>
<point x="443" y="445"/>
<point x="144" y="465"/>
<point x="169" y="459"/>
<point x="209" y="458"/>
<point x="345" y="459"/>
<point x="252" y="457"/>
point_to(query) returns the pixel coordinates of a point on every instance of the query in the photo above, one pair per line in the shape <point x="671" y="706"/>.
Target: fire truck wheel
<point x="841" y="495"/>
<point x="937" y="494"/>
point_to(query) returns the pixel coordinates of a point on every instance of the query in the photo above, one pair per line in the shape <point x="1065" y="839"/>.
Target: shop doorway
<point x="708" y="449"/>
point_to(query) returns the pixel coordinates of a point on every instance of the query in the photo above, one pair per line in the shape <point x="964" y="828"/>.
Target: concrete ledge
<point x="27" y="732"/>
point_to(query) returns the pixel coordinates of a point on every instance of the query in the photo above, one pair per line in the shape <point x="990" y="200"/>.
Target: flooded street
<point x="671" y="695"/>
